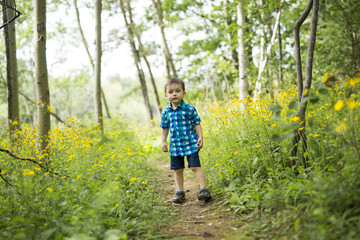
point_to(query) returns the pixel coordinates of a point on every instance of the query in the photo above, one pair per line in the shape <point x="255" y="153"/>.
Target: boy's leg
<point x="179" y="178"/>
<point x="179" y="196"/>
<point x="200" y="177"/>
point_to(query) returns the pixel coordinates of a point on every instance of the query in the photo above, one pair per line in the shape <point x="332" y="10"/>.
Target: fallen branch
<point x="29" y="160"/>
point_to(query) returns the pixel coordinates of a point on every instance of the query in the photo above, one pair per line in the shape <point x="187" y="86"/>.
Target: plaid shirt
<point x="181" y="123"/>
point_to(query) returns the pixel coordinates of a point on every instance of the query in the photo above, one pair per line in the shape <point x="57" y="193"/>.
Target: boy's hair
<point x="175" y="80"/>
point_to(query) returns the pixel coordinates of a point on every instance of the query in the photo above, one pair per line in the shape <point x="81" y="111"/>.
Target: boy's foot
<point x="179" y="196"/>
<point x="204" y="194"/>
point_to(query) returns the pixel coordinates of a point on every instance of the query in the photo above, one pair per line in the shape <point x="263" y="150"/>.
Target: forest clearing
<point x="276" y="85"/>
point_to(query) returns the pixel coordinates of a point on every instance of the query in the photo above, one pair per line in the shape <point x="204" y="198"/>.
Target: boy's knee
<point x="195" y="169"/>
<point x="179" y="170"/>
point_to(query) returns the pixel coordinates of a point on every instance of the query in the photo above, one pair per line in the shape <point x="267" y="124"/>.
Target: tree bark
<point x="98" y="105"/>
<point x="300" y="134"/>
<point x="153" y="83"/>
<point x="143" y="54"/>
<point x="280" y="77"/>
<point x="11" y="68"/>
<point x="263" y="59"/>
<point x="41" y="77"/>
<point x="298" y="24"/>
<point x="136" y="56"/>
<point x="243" y="61"/>
<point x="86" y="46"/>
<point x="168" y="58"/>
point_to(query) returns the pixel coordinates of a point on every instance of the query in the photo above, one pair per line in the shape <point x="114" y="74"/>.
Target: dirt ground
<point x="197" y="219"/>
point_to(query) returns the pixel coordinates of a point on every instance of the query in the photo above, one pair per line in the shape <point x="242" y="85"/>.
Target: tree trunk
<point x="154" y="85"/>
<point x="263" y="59"/>
<point x="280" y="77"/>
<point x="137" y="61"/>
<point x="210" y="83"/>
<point x="298" y="24"/>
<point x="300" y="134"/>
<point x="41" y="77"/>
<point x="142" y="51"/>
<point x="168" y="58"/>
<point x="11" y="68"/>
<point x="32" y="102"/>
<point x="86" y="46"/>
<point x="98" y="105"/>
<point x="243" y="61"/>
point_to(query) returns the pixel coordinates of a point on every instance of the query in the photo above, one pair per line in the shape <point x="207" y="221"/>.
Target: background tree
<point x="170" y="67"/>
<point x="11" y="66"/>
<point x="243" y="61"/>
<point x="126" y="11"/>
<point x="304" y="91"/>
<point x="41" y="75"/>
<point x="86" y="46"/>
<point x="97" y="72"/>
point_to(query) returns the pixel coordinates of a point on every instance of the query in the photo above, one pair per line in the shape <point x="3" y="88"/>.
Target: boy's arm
<point x="165" y="132"/>
<point x="199" y="133"/>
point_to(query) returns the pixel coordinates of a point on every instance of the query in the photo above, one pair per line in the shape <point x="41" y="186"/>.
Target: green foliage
<point x="95" y="187"/>
<point x="246" y="158"/>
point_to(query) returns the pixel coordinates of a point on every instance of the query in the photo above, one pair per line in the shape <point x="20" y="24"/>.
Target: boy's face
<point x="175" y="93"/>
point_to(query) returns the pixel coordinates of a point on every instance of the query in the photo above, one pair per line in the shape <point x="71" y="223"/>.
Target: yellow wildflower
<point x="218" y="164"/>
<point x="306" y="91"/>
<point x="339" y="105"/>
<point x="351" y="103"/>
<point x="116" y="187"/>
<point x="313" y="135"/>
<point x="50" y="190"/>
<point x="326" y="76"/>
<point x="117" y="205"/>
<point x="294" y="119"/>
<point x="133" y="179"/>
<point x="28" y="172"/>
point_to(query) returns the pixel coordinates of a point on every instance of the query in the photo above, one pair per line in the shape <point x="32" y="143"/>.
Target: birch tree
<point x="264" y="56"/>
<point x="41" y="77"/>
<point x="243" y="61"/>
<point x="97" y="73"/>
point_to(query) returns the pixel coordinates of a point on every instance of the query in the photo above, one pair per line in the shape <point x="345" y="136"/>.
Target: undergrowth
<point x="96" y="186"/>
<point x="246" y="158"/>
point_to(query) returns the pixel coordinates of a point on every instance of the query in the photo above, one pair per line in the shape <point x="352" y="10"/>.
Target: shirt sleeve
<point x="164" y="120"/>
<point x="194" y="117"/>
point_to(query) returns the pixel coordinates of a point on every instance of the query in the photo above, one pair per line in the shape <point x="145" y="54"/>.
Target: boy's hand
<point x="199" y="144"/>
<point x="165" y="147"/>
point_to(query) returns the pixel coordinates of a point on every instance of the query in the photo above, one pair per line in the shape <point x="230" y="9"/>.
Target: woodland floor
<point x="196" y="219"/>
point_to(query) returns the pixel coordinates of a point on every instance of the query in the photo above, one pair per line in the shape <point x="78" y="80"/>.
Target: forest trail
<point x="196" y="219"/>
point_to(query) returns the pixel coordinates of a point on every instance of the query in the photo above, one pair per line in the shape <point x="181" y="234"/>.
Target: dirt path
<point x="197" y="219"/>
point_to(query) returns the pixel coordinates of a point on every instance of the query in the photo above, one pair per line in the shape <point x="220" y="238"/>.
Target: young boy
<point x="186" y="138"/>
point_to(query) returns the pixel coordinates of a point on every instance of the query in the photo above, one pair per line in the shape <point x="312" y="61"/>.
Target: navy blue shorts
<point x="178" y="161"/>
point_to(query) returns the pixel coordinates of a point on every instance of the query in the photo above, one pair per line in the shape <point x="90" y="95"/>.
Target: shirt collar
<point x="181" y="105"/>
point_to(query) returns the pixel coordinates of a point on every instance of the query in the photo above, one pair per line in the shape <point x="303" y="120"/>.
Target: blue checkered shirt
<point x="181" y="123"/>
